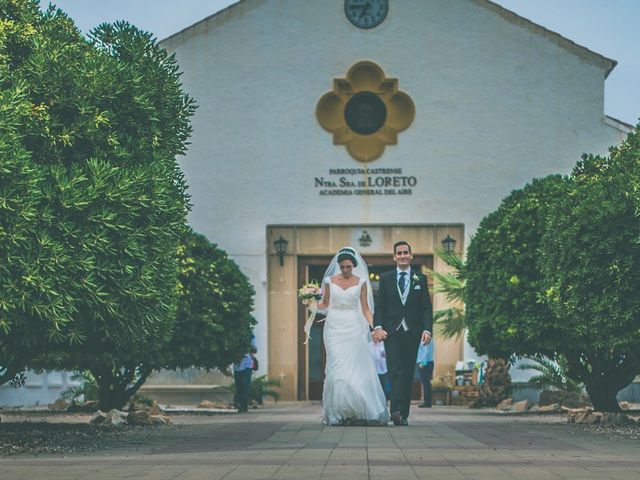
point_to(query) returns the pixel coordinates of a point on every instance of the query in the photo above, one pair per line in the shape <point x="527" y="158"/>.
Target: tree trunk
<point x="110" y="393"/>
<point x="604" y="377"/>
<point x="603" y="399"/>
<point x="497" y="382"/>
<point x="142" y="372"/>
<point x="603" y="389"/>
<point x="115" y="385"/>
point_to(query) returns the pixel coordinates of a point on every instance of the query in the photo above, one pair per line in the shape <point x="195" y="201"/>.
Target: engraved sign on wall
<point x="363" y="181"/>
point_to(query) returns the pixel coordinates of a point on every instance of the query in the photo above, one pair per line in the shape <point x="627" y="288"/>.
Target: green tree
<point x="215" y="304"/>
<point x="213" y="324"/>
<point x="591" y="264"/>
<point x="555" y="271"/>
<point x="91" y="223"/>
<point x="27" y="303"/>
<point x="506" y="312"/>
<point x="504" y="283"/>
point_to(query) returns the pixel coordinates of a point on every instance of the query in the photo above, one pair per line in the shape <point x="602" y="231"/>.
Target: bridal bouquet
<point x="310" y="293"/>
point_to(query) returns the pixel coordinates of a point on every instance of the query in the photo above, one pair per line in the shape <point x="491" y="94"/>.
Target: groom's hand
<point x="426" y="337"/>
<point x="379" y="335"/>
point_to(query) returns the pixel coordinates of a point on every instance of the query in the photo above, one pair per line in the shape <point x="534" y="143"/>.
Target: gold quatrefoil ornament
<point x="365" y="111"/>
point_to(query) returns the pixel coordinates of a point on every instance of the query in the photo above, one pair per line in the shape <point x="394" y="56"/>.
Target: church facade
<point x="351" y="122"/>
<point x="328" y="123"/>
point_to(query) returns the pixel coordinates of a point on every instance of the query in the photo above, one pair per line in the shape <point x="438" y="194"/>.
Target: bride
<point x="352" y="391"/>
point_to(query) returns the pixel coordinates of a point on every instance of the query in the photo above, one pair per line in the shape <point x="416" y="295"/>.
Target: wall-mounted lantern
<point x="449" y="243"/>
<point x="281" y="248"/>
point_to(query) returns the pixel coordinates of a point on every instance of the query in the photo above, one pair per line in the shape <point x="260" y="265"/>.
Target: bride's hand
<point x="378" y="335"/>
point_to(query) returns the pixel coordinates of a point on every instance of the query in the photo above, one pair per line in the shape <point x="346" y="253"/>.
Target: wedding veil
<point x="360" y="270"/>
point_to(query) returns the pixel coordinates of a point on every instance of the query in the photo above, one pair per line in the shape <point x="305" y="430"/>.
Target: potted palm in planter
<point x="262" y="387"/>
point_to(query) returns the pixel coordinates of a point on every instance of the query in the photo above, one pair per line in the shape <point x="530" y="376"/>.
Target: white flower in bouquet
<point x="310" y="293"/>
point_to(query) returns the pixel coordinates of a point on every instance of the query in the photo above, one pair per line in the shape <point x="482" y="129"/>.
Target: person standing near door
<point x="425" y="364"/>
<point x="403" y="318"/>
<point x="242" y="370"/>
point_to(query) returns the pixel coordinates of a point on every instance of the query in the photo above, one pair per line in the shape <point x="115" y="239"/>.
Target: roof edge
<point x="224" y="11"/>
<point x="606" y="63"/>
<point x="618" y="124"/>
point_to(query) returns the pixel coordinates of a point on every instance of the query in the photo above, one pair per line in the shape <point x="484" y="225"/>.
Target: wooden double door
<point x="312" y="360"/>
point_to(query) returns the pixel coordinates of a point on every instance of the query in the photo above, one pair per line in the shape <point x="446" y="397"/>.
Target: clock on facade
<point x="366" y="13"/>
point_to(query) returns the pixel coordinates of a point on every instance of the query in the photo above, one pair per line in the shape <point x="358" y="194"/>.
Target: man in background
<point x="424" y="362"/>
<point x="242" y="377"/>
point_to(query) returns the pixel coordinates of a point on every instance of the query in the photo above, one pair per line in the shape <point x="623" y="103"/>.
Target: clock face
<point x="366" y="13"/>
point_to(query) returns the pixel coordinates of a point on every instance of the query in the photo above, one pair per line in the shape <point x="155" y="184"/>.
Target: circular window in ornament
<point x="365" y="113"/>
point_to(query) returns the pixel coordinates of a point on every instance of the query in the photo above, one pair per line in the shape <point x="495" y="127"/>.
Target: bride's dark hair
<point x="346" y="254"/>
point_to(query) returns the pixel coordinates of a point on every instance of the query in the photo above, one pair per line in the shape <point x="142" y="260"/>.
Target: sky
<point x="608" y="27"/>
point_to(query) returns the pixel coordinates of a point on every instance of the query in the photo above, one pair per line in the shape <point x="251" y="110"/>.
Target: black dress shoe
<point x="404" y="423"/>
<point x="396" y="418"/>
<point x="424" y="405"/>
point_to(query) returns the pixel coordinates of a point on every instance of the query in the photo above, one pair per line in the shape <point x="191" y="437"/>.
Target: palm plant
<point x="260" y="388"/>
<point x="552" y="374"/>
<point x="451" y="322"/>
<point x="86" y="391"/>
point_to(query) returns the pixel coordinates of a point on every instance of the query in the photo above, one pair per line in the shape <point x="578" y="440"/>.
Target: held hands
<point x="379" y="335"/>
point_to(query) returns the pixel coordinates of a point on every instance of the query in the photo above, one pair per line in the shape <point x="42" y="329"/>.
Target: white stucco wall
<point x="498" y="102"/>
<point x="39" y="389"/>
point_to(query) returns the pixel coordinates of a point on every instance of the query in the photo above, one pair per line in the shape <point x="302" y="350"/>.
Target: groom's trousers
<point x="402" y="349"/>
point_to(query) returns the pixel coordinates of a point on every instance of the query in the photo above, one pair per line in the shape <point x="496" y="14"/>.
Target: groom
<point x="403" y="318"/>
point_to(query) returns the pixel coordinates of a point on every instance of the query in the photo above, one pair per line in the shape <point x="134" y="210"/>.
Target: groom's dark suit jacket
<point x="417" y="310"/>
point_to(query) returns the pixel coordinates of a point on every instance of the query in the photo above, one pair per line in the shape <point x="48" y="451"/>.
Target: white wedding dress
<point x="352" y="391"/>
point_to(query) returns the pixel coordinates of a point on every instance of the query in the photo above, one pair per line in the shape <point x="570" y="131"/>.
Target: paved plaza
<point x="287" y="441"/>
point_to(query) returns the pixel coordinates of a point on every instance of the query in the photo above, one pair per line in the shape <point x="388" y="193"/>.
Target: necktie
<point x="401" y="283"/>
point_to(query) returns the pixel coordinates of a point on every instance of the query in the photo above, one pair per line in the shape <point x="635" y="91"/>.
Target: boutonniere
<point x="415" y="278"/>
